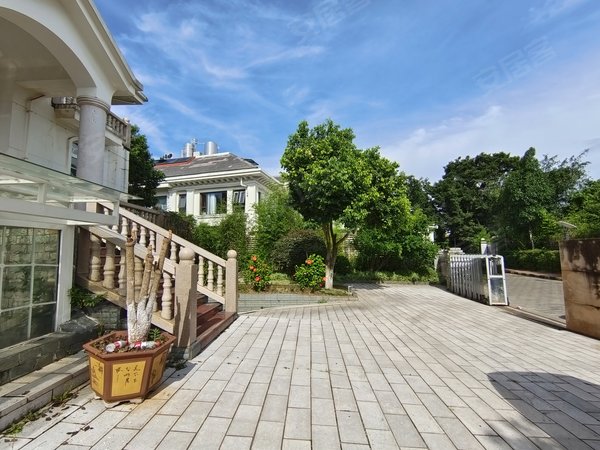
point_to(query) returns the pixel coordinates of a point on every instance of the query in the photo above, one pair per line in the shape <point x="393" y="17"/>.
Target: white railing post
<point x="95" y="262"/>
<point x="109" y="266"/>
<point x="185" y="299"/>
<point x="231" y="282"/>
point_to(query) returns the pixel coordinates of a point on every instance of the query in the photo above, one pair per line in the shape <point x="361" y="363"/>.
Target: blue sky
<point x="426" y="81"/>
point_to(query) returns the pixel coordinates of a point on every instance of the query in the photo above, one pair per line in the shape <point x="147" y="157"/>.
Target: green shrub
<point x="537" y="260"/>
<point x="257" y="273"/>
<point x="343" y="266"/>
<point x="81" y="298"/>
<point x="418" y="254"/>
<point x="293" y="249"/>
<point x="311" y="274"/>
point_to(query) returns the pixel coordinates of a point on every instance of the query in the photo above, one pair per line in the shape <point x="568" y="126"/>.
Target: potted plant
<point x="127" y="365"/>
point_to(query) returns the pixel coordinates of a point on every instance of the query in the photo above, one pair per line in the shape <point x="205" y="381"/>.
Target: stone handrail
<point x="214" y="279"/>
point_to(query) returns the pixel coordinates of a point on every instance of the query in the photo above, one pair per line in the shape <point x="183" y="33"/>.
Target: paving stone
<point x="227" y="404"/>
<point x="155" y="431"/>
<point x="293" y="444"/>
<point x="97" y="428"/>
<point x="176" y="439"/>
<point x="404" y="431"/>
<point x="268" y="436"/>
<point x="236" y="443"/>
<point x="351" y="427"/>
<point x="325" y="437"/>
<point x="177" y="404"/>
<point x="297" y="424"/>
<point x="245" y="421"/>
<point x="275" y="408"/>
<point x="422" y="419"/>
<point x="193" y="417"/>
<point x="299" y="397"/>
<point x="211" y="434"/>
<point x="115" y="438"/>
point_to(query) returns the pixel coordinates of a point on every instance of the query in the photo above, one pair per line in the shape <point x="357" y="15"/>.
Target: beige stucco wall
<point x="580" y="266"/>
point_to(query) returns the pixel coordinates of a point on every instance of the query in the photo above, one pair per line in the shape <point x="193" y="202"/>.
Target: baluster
<point x="124" y="227"/>
<point x="95" y="262"/>
<point x="143" y="236"/>
<point x="109" y="266"/>
<point x="153" y="240"/>
<point x="201" y="279"/>
<point x="139" y="273"/>
<point x="210" y="278"/>
<point x="173" y="256"/>
<point x="167" y="297"/>
<point x="133" y="228"/>
<point x="219" y="280"/>
<point x="122" y="278"/>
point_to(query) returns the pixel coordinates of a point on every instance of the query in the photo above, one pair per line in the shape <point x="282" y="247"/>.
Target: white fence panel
<point x="478" y="277"/>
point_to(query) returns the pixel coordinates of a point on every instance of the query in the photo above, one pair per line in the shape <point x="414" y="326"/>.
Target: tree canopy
<point x="331" y="180"/>
<point x="143" y="177"/>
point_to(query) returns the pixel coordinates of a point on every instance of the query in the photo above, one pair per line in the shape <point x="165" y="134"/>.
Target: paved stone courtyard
<point x="401" y="367"/>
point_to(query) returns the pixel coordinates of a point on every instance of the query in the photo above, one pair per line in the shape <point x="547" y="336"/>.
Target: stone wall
<point x="253" y="302"/>
<point x="580" y="267"/>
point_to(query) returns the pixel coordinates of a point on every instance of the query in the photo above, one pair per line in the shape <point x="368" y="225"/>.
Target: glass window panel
<point x="14" y="326"/>
<point x="182" y="203"/>
<point x="42" y="320"/>
<point x="18" y="245"/>
<point x="16" y="287"/>
<point x="44" y="284"/>
<point x="46" y="246"/>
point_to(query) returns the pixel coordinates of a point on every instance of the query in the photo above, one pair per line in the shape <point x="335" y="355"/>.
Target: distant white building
<point x="209" y="186"/>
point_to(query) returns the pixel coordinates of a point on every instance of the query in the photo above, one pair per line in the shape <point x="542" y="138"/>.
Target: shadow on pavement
<point x="565" y="408"/>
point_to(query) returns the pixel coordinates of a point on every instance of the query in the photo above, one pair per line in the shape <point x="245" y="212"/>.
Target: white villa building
<point x="61" y="148"/>
<point x="210" y="185"/>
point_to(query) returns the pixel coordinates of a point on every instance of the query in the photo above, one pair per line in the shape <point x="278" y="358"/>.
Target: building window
<point x="74" y="151"/>
<point x="29" y="260"/>
<point x="239" y="199"/>
<point x="161" y="202"/>
<point x="182" y="205"/>
<point x="213" y="203"/>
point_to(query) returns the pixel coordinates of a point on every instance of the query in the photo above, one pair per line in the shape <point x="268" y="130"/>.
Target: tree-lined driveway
<point x="540" y="296"/>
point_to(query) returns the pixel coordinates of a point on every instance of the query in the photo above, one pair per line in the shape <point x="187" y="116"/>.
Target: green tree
<point x="524" y="199"/>
<point x="143" y="177"/>
<point x="330" y="180"/>
<point x="584" y="211"/>
<point x="467" y="194"/>
<point x="275" y="218"/>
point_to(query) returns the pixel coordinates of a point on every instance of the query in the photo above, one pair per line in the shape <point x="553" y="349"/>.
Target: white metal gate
<point x="479" y="277"/>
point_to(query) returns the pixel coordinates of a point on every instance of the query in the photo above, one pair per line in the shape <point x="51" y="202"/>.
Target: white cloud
<point x="552" y="8"/>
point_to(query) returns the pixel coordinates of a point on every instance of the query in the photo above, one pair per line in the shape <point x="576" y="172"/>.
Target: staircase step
<point x="206" y="311"/>
<point x="209" y="331"/>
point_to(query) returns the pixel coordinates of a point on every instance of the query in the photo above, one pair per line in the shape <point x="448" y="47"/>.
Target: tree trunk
<point x="139" y="311"/>
<point x="332" y="245"/>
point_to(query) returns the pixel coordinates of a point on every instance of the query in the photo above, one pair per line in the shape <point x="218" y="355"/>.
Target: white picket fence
<point x="478" y="277"/>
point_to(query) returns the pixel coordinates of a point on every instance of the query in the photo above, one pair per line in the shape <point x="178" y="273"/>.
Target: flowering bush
<point x="311" y="274"/>
<point x="257" y="273"/>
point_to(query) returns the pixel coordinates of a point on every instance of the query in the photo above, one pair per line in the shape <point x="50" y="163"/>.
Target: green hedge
<point x="534" y="260"/>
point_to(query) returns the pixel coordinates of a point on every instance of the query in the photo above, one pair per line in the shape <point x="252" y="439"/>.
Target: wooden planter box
<point x="116" y="377"/>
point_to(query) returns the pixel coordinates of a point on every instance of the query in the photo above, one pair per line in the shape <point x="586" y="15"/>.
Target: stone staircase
<point x="197" y="299"/>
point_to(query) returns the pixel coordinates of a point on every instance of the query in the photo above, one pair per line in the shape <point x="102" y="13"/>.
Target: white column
<point x="92" y="126"/>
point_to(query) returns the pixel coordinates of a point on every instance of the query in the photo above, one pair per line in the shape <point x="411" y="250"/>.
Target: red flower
<point x="324" y="278"/>
<point x="257" y="279"/>
<point x="254" y="269"/>
<point x="253" y="258"/>
<point x="251" y="267"/>
<point x="309" y="261"/>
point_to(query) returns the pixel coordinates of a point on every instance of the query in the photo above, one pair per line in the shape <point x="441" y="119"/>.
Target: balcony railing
<point x="67" y="108"/>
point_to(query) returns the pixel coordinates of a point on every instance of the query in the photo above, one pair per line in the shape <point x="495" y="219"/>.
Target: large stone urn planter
<point x="129" y="375"/>
<point x="580" y="267"/>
